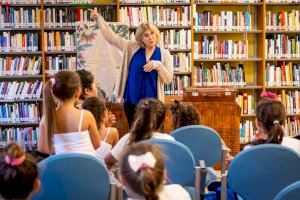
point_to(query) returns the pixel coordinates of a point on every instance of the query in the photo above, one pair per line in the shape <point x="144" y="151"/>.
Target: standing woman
<point x="145" y="67"/>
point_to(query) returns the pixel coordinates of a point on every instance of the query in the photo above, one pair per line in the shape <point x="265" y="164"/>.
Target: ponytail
<point x="150" y="185"/>
<point x="276" y="134"/>
<point x="149" y="117"/>
<point x="49" y="110"/>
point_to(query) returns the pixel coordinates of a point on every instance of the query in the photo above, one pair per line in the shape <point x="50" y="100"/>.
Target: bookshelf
<point x="252" y="33"/>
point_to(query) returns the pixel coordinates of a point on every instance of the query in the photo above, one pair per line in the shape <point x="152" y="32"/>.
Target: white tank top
<point x="74" y="142"/>
<point x="105" y="147"/>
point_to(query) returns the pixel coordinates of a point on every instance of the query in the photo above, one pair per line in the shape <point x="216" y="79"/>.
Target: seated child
<point x="18" y="174"/>
<point x="143" y="174"/>
<point x="109" y="136"/>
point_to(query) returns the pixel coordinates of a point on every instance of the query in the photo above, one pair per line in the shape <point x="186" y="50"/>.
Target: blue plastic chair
<point x="180" y="165"/>
<point x="262" y="171"/>
<point x="73" y="176"/>
<point x="291" y="192"/>
<point x="204" y="143"/>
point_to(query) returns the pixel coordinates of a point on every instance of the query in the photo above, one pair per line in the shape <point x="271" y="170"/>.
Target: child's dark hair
<point x="18" y="173"/>
<point x="271" y="114"/>
<point x="97" y="107"/>
<point x="87" y="79"/>
<point x="184" y="115"/>
<point x="63" y="85"/>
<point x="147" y="180"/>
<point x="149" y="116"/>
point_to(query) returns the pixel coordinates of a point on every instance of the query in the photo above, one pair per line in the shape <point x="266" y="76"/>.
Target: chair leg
<point x="113" y="193"/>
<point x="224" y="187"/>
<point x="223" y="162"/>
<point x="197" y="183"/>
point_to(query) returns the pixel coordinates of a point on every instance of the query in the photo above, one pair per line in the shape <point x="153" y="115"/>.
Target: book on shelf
<point x="60" y="41"/>
<point x="292" y="126"/>
<point x="159" y="16"/>
<point x="20" y="1"/>
<point x="177" y="85"/>
<point x="182" y="62"/>
<point x="283" y="74"/>
<point x="67" y="17"/>
<point x="20" y="90"/>
<point x="246" y="102"/>
<point x="290" y="100"/>
<point x="19" y="42"/>
<point x="58" y="63"/>
<point x="11" y="17"/>
<point x="209" y="47"/>
<point x="20" y="112"/>
<point x="283" y="20"/>
<point x="246" y="131"/>
<point x="223" y="21"/>
<point x="26" y="137"/>
<point x="173" y="39"/>
<point x="282" y="46"/>
<point x="219" y="75"/>
<point x="17" y="66"/>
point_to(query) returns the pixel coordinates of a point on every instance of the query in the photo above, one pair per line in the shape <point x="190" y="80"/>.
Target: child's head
<point x="64" y="86"/>
<point x="143" y="170"/>
<point x="18" y="173"/>
<point x="89" y="88"/>
<point x="149" y="117"/>
<point x="270" y="116"/>
<point x="184" y="115"/>
<point x="97" y="107"/>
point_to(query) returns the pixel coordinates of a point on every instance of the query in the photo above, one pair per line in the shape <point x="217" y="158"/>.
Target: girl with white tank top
<point x="110" y="135"/>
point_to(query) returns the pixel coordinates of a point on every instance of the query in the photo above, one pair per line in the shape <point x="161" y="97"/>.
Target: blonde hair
<point x="144" y="27"/>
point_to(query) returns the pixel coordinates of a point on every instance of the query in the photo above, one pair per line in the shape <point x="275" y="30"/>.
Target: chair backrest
<point x="290" y="192"/>
<point x="204" y="143"/>
<point x="73" y="176"/>
<point x="179" y="161"/>
<point x="262" y="171"/>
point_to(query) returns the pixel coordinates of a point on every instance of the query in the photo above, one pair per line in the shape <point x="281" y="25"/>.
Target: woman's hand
<point x="94" y="15"/>
<point x="151" y="65"/>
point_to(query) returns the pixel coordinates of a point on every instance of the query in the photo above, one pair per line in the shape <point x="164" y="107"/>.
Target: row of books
<point x="182" y="62"/>
<point x="177" y="85"/>
<point x="173" y="39"/>
<point x="157" y="15"/>
<point x="58" y="63"/>
<point x="229" y="1"/>
<point x="291" y="128"/>
<point x="60" y="41"/>
<point x="219" y="75"/>
<point x="283" y="74"/>
<point x="20" y="66"/>
<point x="283" y="20"/>
<point x="20" y="1"/>
<point x="246" y="102"/>
<point x="283" y="1"/>
<point x="67" y="17"/>
<point x="21" y="90"/>
<point x="19" y="42"/>
<point x="69" y="1"/>
<point x="223" y="21"/>
<point x="20" y="112"/>
<point x="12" y="18"/>
<point x="282" y="46"/>
<point x="290" y="99"/>
<point x="209" y="47"/>
<point x="26" y="137"/>
<point x="154" y="1"/>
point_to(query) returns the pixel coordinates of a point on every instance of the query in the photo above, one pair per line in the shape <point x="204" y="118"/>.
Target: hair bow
<point x="141" y="162"/>
<point x="14" y="161"/>
<point x="268" y="94"/>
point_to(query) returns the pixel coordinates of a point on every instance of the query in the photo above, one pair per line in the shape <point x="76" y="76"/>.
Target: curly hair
<point x="184" y="115"/>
